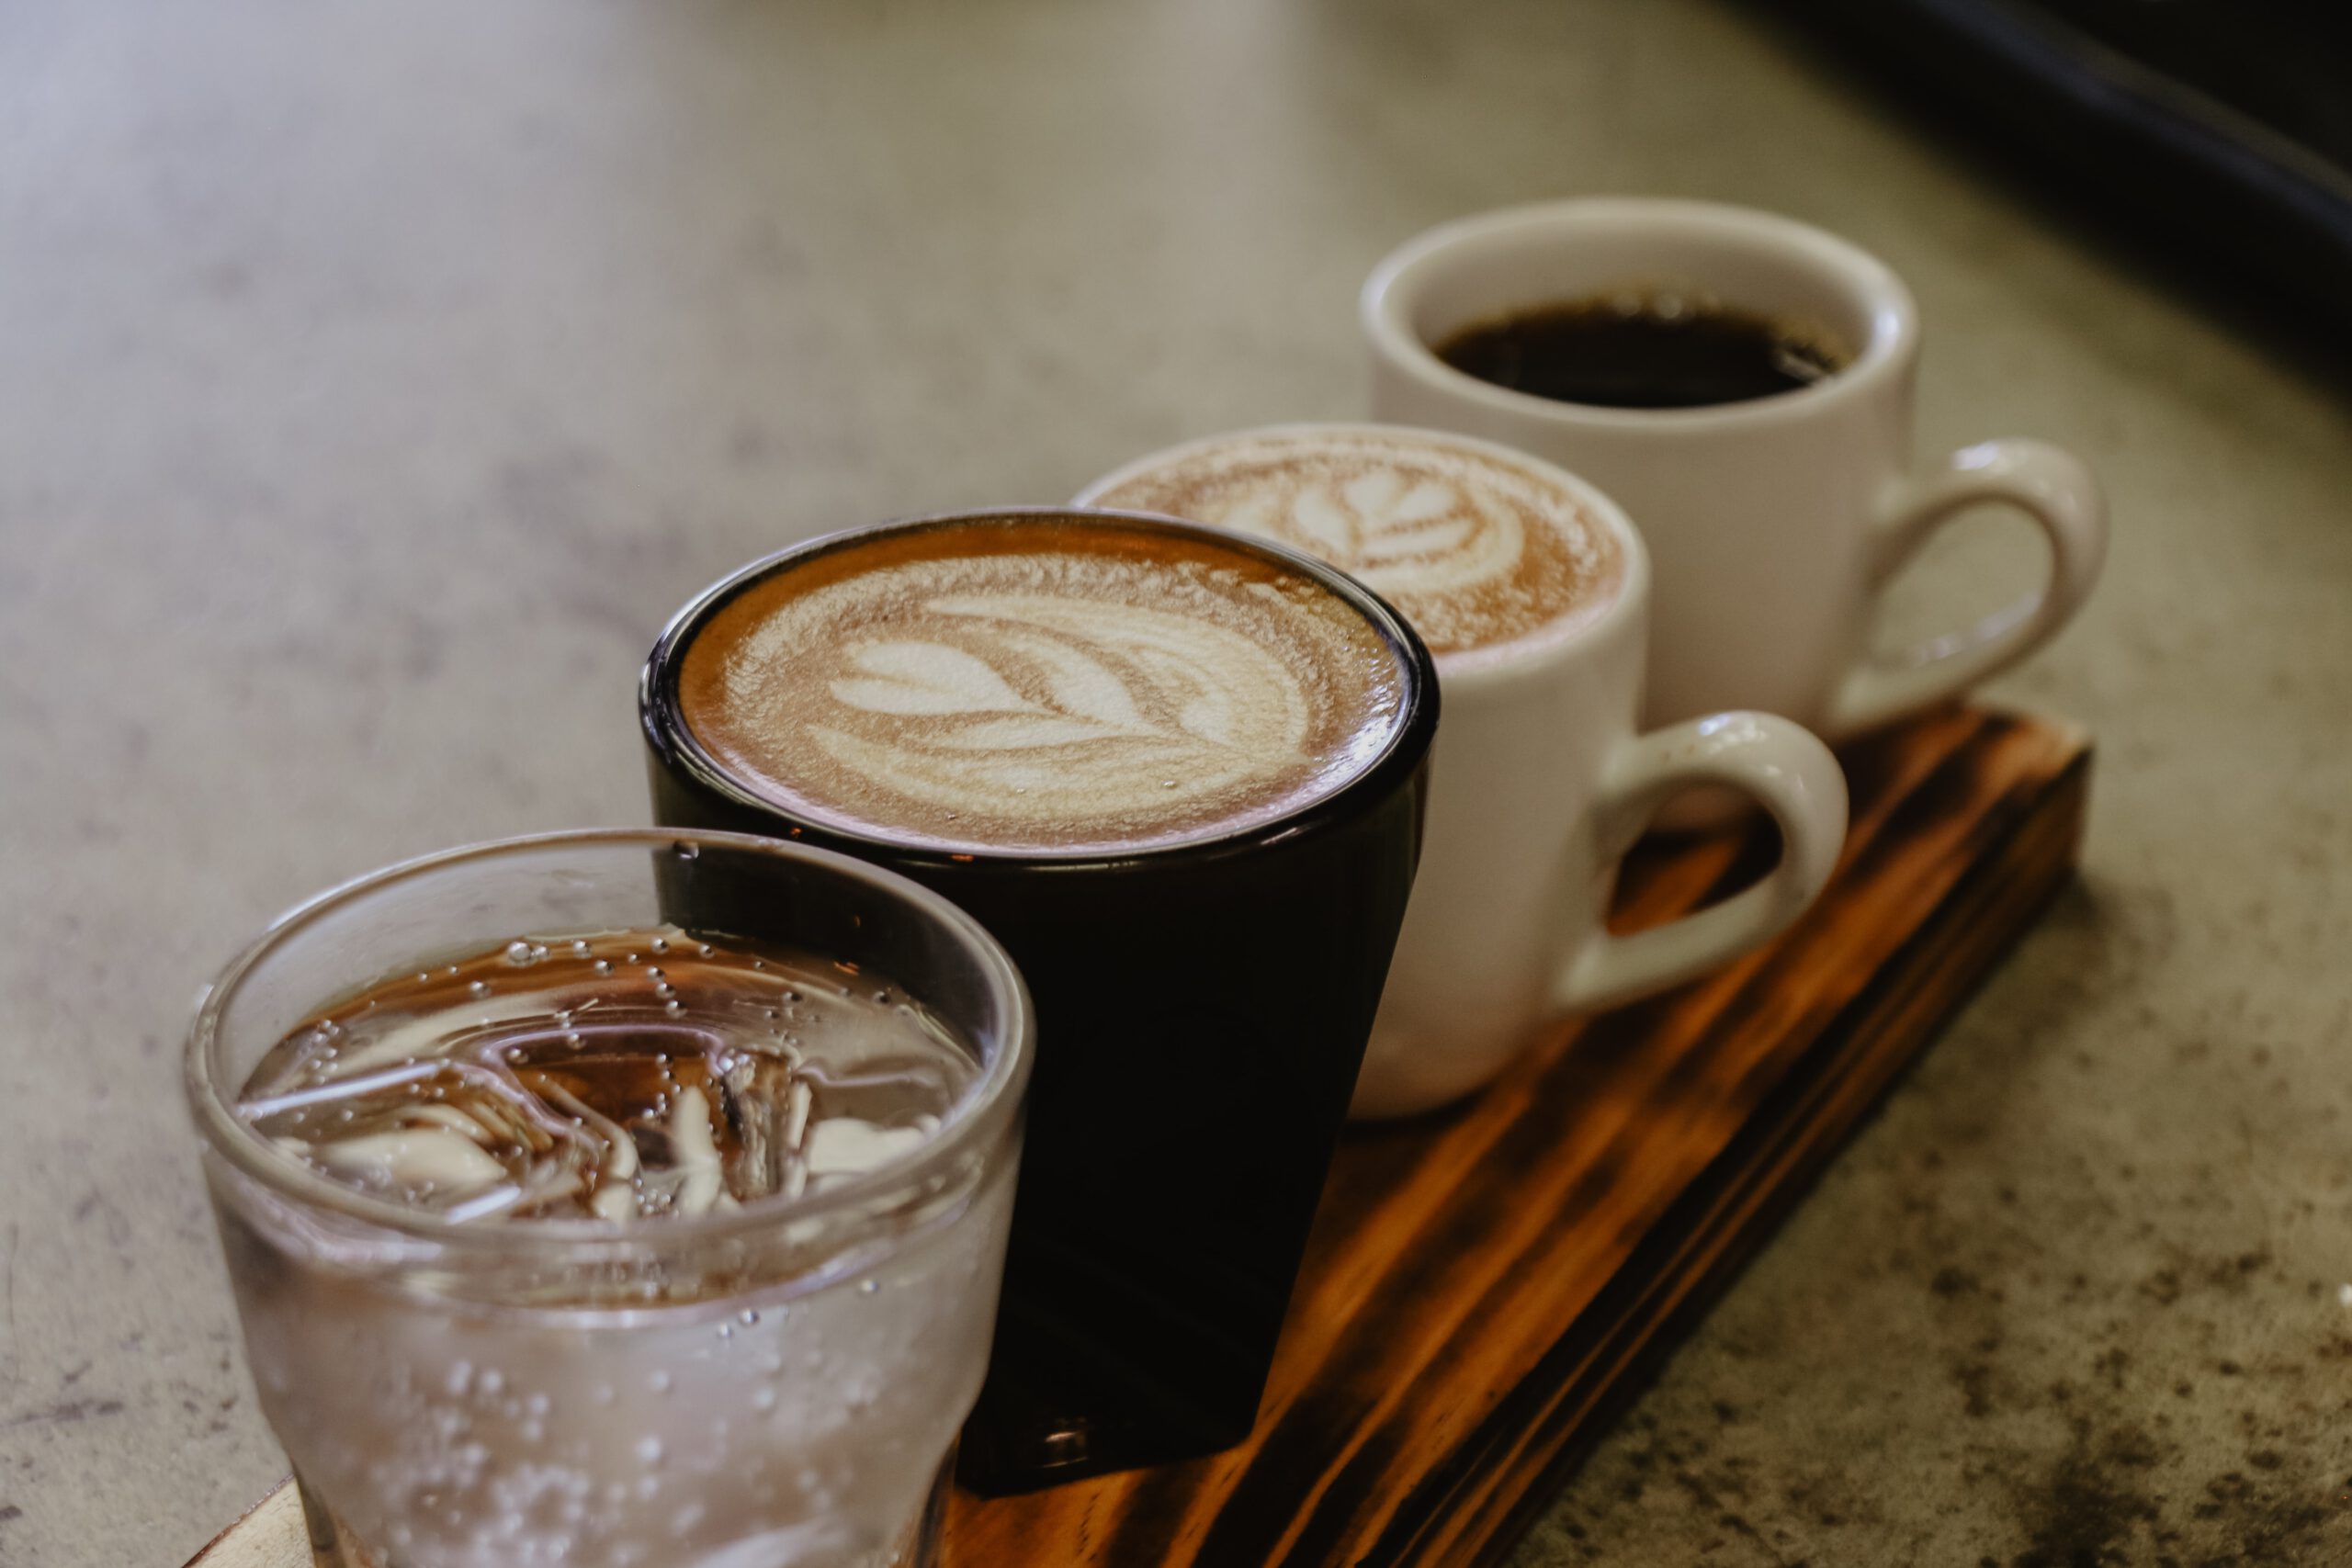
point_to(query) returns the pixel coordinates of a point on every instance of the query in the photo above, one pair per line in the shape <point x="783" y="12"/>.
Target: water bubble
<point x="660" y="944"/>
<point x="673" y="1007"/>
<point x="634" y="958"/>
<point x="727" y="1331"/>
<point x="579" y="948"/>
<point x="747" y="1317"/>
<point x="573" y="1041"/>
<point x="648" y="1450"/>
<point x="519" y="953"/>
<point x="604" y="966"/>
<point x="422" y="976"/>
<point x="704" y="949"/>
<point x="478" y="989"/>
<point x="1168" y="783"/>
<point x="686" y="851"/>
<point x="867" y="1287"/>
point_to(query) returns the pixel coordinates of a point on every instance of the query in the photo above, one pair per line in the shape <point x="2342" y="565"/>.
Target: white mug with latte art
<point x="1776" y="523"/>
<point x="1532" y="589"/>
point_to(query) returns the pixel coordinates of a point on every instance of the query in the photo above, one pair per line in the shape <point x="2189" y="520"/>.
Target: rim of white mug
<point x="1394" y="290"/>
<point x="1472" y="667"/>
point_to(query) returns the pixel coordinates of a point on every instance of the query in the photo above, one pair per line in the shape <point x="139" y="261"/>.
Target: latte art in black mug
<point x="1028" y="689"/>
<point x="1179" y="774"/>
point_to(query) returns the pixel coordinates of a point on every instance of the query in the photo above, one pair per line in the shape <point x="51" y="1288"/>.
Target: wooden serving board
<point x="1488" y="1286"/>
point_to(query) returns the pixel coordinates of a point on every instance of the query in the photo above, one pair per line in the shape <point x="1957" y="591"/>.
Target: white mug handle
<point x="1788" y="771"/>
<point x="2048" y="484"/>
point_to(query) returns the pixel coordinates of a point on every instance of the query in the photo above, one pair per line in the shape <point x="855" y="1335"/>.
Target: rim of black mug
<point x="673" y="742"/>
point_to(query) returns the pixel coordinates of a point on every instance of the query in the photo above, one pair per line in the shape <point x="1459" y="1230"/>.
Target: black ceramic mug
<point x="1051" y="717"/>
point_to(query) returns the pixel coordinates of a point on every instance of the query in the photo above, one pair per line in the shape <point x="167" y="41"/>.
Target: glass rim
<point x="989" y="1106"/>
<point x="663" y="719"/>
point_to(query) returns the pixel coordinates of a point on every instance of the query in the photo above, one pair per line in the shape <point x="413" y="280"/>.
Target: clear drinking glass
<point x="769" y="1386"/>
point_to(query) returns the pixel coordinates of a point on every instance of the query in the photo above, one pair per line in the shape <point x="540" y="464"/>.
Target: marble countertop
<point x="375" y="379"/>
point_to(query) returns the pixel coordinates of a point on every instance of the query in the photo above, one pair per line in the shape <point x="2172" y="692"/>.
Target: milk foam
<point x="1477" y="550"/>
<point x="1042" y="698"/>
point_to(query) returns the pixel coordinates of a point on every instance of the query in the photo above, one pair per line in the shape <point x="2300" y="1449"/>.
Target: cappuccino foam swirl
<point x="1040" y="698"/>
<point x="1476" y="548"/>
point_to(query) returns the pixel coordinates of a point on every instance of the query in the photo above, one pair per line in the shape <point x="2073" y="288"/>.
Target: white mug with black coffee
<point x="1532" y="591"/>
<point x="1741" y="383"/>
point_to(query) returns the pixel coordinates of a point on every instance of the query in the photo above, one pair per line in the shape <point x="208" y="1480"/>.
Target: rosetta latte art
<point x="1043" y="700"/>
<point x="1477" y="550"/>
<point x="1398" y="531"/>
<point x="1052" y="710"/>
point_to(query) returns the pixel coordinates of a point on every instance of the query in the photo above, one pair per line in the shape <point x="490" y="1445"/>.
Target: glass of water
<point x="616" y="1197"/>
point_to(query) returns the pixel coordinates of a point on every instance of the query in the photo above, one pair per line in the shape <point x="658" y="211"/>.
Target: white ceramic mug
<point x="1774" y="523"/>
<point x="1539" y="783"/>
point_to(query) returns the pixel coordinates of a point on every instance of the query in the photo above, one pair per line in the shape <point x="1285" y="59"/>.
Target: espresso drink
<point x="623" y="1076"/>
<point x="1484" y="555"/>
<point x="1637" y="351"/>
<point x="1179" y="775"/>
<point x="626" y="1083"/>
<point x="1035" y="689"/>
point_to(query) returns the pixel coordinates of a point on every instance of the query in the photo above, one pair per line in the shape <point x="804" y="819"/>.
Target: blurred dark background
<point x="2213" y="137"/>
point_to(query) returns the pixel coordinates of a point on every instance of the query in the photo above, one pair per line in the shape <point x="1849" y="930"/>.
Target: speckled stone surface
<point x="375" y="379"/>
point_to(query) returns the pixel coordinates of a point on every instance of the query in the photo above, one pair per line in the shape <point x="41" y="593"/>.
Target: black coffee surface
<point x="1654" y="353"/>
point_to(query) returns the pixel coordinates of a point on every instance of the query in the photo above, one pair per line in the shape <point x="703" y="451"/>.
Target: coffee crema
<point x="1040" y="684"/>
<point x="1476" y="549"/>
